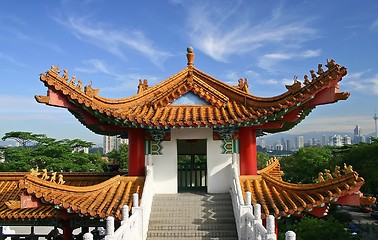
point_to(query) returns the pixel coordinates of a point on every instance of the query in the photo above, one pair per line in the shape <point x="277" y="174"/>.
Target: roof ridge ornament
<point x="190" y="56"/>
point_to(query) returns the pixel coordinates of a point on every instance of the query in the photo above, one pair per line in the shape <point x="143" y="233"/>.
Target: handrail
<point x="135" y="226"/>
<point x="247" y="218"/>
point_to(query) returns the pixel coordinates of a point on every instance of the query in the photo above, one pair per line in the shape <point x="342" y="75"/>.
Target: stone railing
<point x="248" y="219"/>
<point x="135" y="226"/>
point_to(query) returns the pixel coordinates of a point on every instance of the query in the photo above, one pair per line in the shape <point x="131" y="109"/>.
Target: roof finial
<point x="190" y="56"/>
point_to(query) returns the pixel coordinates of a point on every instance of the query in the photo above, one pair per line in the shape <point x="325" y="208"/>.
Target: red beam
<point x="59" y="100"/>
<point x="325" y="96"/>
<point x="349" y="200"/>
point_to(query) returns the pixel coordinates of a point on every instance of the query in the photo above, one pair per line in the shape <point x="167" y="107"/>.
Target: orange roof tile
<point x="10" y="194"/>
<point x="227" y="105"/>
<point x="281" y="198"/>
<point x="101" y="200"/>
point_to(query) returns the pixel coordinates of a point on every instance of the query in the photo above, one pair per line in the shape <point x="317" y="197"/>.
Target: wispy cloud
<point x="268" y="60"/>
<point x="221" y="33"/>
<point x="125" y="82"/>
<point x="11" y="60"/>
<point x="115" y="41"/>
<point x="363" y="82"/>
<point x="374" y="26"/>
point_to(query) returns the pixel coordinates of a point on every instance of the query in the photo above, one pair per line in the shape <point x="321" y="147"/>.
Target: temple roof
<point x="281" y="198"/>
<point x="213" y="103"/>
<point x="90" y="194"/>
<point x="101" y="200"/>
<point x="101" y="195"/>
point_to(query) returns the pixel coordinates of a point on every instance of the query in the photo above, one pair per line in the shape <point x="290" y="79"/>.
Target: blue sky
<point x="116" y="43"/>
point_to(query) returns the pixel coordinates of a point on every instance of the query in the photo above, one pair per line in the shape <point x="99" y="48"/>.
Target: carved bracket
<point x="157" y="134"/>
<point x="226" y="133"/>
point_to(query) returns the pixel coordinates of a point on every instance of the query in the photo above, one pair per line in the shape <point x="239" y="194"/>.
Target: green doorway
<point x="192" y="165"/>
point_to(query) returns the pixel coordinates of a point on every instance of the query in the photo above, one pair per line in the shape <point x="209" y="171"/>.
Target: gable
<point x="190" y="98"/>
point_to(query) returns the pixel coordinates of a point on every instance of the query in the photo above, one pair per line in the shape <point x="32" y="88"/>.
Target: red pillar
<point x="248" y="151"/>
<point x="67" y="230"/>
<point x="136" y="152"/>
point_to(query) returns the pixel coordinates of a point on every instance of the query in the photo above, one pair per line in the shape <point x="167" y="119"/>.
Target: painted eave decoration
<point x="158" y="107"/>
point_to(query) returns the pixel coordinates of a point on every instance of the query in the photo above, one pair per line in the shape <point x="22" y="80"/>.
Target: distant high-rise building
<point x="279" y="147"/>
<point x="81" y="149"/>
<point x="375" y="122"/>
<point x="336" y="140"/>
<point x="346" y="140"/>
<point x="358" y="137"/>
<point x="324" y="141"/>
<point x="113" y="142"/>
<point x="288" y="145"/>
<point x="262" y="142"/>
<point x="357" y="131"/>
<point x="283" y="143"/>
<point x="299" y="142"/>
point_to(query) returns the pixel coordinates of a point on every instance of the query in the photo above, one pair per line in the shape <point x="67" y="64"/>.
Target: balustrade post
<point x="139" y="214"/>
<point x="258" y="220"/>
<point x="244" y="210"/>
<point x="109" y="228"/>
<point x="135" y="200"/>
<point x="88" y="236"/>
<point x="270" y="227"/>
<point x="248" y="199"/>
<point x="125" y="214"/>
<point x="290" y="235"/>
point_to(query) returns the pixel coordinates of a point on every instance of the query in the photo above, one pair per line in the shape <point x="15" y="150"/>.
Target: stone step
<point x="187" y="227"/>
<point x="202" y="197"/>
<point x="189" y="202"/>
<point x="183" y="221"/>
<point x="198" y="233"/>
<point x="194" y="207"/>
<point x="192" y="216"/>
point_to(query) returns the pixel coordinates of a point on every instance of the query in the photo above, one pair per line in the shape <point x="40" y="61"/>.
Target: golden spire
<point x="190" y="56"/>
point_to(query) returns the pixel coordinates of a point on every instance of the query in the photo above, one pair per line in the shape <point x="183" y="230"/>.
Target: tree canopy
<point x="314" y="228"/>
<point x="304" y="165"/>
<point x="37" y="150"/>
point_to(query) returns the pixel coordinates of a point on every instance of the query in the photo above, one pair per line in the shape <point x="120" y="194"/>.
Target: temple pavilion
<point x="191" y="124"/>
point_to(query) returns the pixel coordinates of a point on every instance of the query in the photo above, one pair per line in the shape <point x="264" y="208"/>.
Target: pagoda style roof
<point x="192" y="98"/>
<point x="101" y="200"/>
<point x="280" y="198"/>
<point x="28" y="196"/>
<point x="98" y="195"/>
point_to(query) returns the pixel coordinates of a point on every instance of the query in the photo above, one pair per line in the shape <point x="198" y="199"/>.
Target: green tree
<point x="364" y="159"/>
<point x="304" y="165"/>
<point x="314" y="228"/>
<point x="54" y="155"/>
<point x="120" y="156"/>
<point x="24" y="138"/>
<point x="262" y="159"/>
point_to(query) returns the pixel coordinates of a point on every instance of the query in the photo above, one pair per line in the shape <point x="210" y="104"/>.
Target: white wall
<point x="218" y="165"/>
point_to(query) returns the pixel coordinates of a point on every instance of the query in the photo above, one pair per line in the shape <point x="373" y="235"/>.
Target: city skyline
<point x="318" y="138"/>
<point x="115" y="45"/>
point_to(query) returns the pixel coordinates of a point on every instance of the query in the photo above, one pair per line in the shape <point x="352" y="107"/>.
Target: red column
<point x="67" y="231"/>
<point x="248" y="151"/>
<point x="136" y="152"/>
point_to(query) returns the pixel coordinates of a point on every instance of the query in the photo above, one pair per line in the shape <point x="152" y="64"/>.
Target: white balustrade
<point x="135" y="226"/>
<point x="247" y="217"/>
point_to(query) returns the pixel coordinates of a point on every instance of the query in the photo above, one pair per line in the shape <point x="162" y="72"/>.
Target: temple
<point x="189" y="114"/>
